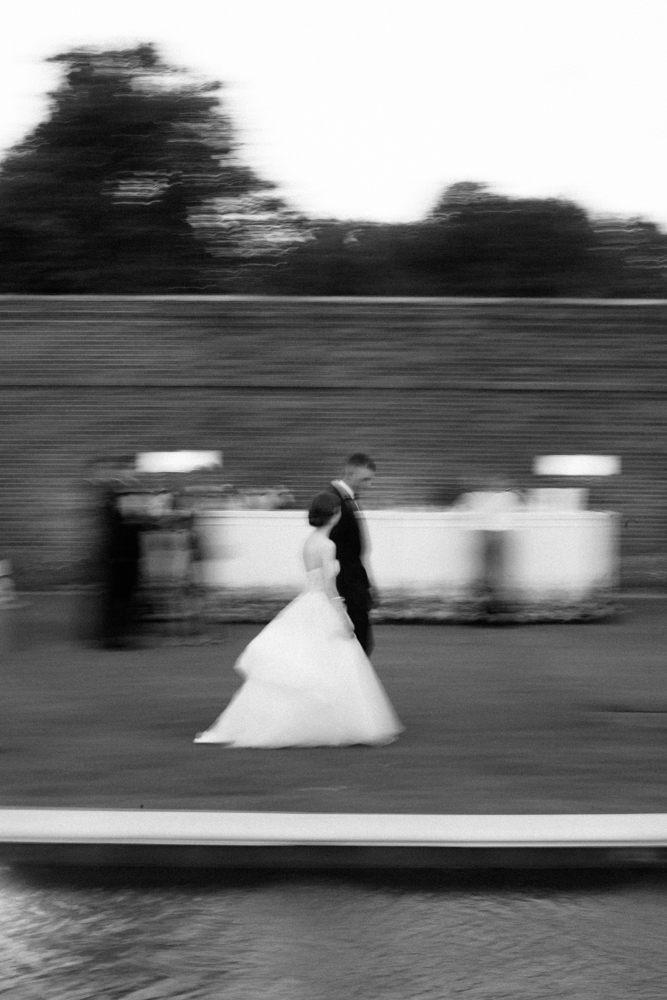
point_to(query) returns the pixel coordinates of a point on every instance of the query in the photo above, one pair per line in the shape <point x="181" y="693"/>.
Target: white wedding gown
<point x="308" y="683"/>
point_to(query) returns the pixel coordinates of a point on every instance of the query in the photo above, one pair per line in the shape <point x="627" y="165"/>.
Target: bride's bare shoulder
<point x="310" y="542"/>
<point x="311" y="548"/>
<point x="317" y="548"/>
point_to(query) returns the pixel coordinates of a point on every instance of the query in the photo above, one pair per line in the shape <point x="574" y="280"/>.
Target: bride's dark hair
<point x="323" y="507"/>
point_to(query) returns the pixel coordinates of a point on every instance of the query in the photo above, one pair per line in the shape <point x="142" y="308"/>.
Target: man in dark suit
<point x="348" y="535"/>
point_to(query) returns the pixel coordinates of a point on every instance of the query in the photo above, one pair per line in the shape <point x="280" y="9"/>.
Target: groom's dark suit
<point x="352" y="581"/>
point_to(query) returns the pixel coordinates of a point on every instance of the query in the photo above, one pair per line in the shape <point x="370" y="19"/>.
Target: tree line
<point x="135" y="184"/>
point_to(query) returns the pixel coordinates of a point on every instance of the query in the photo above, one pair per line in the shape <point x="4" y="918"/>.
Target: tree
<point x="127" y="185"/>
<point x="476" y="242"/>
<point x="331" y="260"/>
<point x="631" y="255"/>
<point x="459" y="196"/>
<point x="251" y="237"/>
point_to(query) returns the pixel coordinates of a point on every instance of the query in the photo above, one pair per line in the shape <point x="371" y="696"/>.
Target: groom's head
<point x="359" y="472"/>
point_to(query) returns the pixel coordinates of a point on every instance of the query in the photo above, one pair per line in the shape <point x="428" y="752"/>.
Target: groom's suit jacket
<point x="352" y="581"/>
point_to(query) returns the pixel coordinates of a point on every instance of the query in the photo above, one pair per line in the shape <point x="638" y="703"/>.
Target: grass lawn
<point x="532" y="718"/>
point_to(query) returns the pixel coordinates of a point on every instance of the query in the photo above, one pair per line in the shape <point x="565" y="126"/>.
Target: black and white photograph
<point x="333" y="500"/>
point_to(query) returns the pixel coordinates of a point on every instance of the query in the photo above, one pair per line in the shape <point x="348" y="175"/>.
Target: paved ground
<point x="532" y="718"/>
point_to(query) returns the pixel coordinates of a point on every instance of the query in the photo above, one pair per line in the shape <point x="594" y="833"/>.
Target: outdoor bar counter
<point x="430" y="563"/>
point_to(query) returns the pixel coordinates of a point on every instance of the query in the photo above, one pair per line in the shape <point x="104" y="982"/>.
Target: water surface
<point x="71" y="933"/>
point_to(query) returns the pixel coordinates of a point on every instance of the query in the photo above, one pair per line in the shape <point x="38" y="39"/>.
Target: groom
<point x="349" y="537"/>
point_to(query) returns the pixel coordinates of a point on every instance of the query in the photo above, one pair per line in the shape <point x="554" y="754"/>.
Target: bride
<point x="308" y="682"/>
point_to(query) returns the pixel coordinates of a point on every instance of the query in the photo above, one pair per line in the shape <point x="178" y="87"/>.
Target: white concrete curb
<point x="268" y="829"/>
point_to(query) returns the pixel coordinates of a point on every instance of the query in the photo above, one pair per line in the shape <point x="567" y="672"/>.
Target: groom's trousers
<point x="358" y="615"/>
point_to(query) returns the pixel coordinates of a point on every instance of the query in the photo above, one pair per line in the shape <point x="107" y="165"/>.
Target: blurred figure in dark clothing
<point x="117" y="552"/>
<point x="121" y="555"/>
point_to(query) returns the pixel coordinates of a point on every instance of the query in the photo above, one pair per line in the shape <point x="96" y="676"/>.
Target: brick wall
<point x="439" y="391"/>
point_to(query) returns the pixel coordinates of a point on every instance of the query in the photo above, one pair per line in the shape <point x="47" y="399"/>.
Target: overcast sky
<point x="370" y="108"/>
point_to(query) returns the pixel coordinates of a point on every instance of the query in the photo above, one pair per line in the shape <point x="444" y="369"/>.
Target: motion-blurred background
<point x="161" y="289"/>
